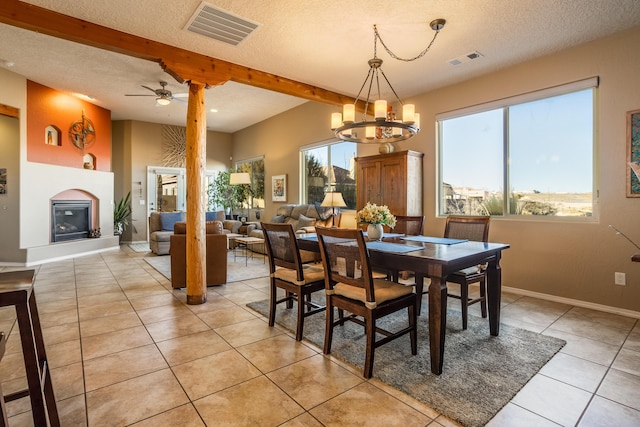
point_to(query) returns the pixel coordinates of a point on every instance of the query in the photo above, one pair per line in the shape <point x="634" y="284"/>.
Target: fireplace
<point x="70" y="219"/>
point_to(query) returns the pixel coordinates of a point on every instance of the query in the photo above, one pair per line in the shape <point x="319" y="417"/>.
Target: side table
<point x="245" y="243"/>
<point x="16" y="288"/>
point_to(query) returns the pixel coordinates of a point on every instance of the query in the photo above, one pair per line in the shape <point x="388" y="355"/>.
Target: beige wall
<point x="279" y="139"/>
<point x="137" y="145"/>
<point x="560" y="258"/>
<point x="10" y="202"/>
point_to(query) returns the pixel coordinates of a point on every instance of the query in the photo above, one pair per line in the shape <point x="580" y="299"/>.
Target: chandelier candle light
<point x="385" y="128"/>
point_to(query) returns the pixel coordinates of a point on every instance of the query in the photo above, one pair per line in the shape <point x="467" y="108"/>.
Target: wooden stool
<point x="16" y="288"/>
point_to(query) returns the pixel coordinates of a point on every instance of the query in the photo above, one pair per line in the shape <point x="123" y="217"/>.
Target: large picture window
<point x="329" y="167"/>
<point x="530" y="156"/>
<point x="255" y="169"/>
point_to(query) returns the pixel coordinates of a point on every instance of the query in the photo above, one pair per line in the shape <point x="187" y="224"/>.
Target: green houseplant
<point x="222" y="193"/>
<point x="121" y="212"/>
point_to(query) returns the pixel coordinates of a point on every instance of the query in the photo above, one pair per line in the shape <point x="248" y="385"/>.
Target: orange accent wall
<point x="45" y="107"/>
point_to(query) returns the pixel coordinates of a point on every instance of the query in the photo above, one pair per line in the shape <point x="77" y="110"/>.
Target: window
<point x="539" y="146"/>
<point x="255" y="168"/>
<point x="329" y="167"/>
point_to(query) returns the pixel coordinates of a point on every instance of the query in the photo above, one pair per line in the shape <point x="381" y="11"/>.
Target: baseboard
<point x="575" y="302"/>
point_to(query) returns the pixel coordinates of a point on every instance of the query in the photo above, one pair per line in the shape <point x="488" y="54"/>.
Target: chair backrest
<point x="475" y="228"/>
<point x="345" y="259"/>
<point x="409" y="225"/>
<point x="282" y="247"/>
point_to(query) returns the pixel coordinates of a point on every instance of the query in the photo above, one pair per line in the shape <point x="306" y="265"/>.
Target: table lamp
<point x="240" y="178"/>
<point x="334" y="200"/>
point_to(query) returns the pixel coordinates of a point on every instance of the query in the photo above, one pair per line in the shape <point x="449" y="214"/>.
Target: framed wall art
<point x="633" y="153"/>
<point x="279" y="188"/>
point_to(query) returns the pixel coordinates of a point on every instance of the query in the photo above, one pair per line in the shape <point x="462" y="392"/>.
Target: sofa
<point x="161" y="228"/>
<point x="216" y="259"/>
<point x="303" y="217"/>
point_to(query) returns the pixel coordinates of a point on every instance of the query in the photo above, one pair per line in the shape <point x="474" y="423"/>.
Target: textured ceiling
<point x="325" y="43"/>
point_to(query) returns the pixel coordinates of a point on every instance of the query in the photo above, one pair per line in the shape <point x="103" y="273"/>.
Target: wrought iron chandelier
<point x="385" y="127"/>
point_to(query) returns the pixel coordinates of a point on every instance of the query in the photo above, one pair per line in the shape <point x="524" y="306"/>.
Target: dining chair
<point x="474" y="228"/>
<point x="288" y="272"/>
<point x="409" y="226"/>
<point x="350" y="287"/>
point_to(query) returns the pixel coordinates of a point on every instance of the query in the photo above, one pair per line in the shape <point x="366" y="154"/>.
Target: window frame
<point x="504" y="104"/>
<point x="302" y="196"/>
<point x="253" y="199"/>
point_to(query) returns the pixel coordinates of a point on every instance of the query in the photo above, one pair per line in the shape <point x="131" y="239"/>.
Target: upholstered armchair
<point x="216" y="262"/>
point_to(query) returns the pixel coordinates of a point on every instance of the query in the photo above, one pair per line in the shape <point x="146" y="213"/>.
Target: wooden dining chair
<point x="474" y="228"/>
<point x="287" y="272"/>
<point x="409" y="226"/>
<point x="350" y="287"/>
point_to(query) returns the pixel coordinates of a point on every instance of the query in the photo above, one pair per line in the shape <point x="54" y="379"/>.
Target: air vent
<point x="465" y="58"/>
<point x="219" y="24"/>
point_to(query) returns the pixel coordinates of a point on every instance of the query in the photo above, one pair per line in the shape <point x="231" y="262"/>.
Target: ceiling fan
<point x="163" y="95"/>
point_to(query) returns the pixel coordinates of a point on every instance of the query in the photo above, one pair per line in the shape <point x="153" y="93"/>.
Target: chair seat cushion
<point x="471" y="271"/>
<point x="312" y="273"/>
<point x="384" y="291"/>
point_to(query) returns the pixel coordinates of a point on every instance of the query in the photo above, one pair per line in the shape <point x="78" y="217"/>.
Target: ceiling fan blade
<point x="147" y="87"/>
<point x="181" y="101"/>
<point x="134" y="94"/>
<point x="181" y="95"/>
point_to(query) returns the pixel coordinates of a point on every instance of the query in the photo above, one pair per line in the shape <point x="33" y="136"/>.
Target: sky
<point x="550" y="148"/>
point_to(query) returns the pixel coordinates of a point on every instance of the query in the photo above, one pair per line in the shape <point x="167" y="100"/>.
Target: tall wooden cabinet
<point x="393" y="179"/>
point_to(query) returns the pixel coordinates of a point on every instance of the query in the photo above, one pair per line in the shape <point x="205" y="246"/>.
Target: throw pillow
<point x="305" y="221"/>
<point x="324" y="212"/>
<point x="168" y="219"/>
<point x="213" y="216"/>
<point x="277" y="219"/>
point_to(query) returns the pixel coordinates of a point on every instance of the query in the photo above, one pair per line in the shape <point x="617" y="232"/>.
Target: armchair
<point x="216" y="262"/>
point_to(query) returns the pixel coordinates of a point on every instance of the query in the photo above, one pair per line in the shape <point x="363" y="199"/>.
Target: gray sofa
<point x="161" y="228"/>
<point x="304" y="218"/>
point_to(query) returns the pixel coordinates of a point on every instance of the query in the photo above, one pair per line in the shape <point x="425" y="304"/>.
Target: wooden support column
<point x="196" y="167"/>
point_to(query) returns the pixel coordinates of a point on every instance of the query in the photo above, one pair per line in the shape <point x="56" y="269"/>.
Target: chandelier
<point x="385" y="127"/>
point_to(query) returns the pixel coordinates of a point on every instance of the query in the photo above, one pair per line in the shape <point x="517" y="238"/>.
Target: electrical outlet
<point x="620" y="278"/>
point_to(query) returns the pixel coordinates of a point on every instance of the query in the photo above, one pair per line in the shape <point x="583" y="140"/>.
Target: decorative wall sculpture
<point x="174" y="146"/>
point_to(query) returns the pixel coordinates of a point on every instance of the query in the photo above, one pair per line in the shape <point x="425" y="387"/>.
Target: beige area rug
<point x="255" y="267"/>
<point x="140" y="247"/>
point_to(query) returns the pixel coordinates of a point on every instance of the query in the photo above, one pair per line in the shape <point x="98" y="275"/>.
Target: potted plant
<point x="222" y="193"/>
<point x="121" y="212"/>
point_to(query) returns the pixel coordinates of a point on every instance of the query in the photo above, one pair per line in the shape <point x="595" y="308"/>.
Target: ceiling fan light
<point x="163" y="101"/>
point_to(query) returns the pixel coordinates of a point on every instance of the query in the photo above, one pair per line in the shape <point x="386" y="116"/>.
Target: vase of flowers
<point x="375" y="217"/>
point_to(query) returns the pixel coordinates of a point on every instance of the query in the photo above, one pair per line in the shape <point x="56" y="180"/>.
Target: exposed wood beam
<point x="182" y="64"/>
<point x="9" y="111"/>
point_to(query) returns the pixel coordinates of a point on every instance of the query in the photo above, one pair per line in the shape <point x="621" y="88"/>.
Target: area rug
<point x="140" y="247"/>
<point x="481" y="373"/>
<point x="236" y="270"/>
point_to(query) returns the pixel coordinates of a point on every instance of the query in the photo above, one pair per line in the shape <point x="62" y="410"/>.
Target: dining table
<point x="435" y="258"/>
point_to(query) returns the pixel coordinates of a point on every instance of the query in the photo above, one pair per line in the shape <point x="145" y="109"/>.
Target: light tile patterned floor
<point x="125" y="349"/>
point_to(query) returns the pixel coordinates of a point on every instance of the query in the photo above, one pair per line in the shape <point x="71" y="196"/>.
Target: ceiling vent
<point x="220" y="25"/>
<point x="465" y="58"/>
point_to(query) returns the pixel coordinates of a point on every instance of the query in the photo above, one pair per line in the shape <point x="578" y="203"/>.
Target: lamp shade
<point x="239" y="178"/>
<point x="333" y="199"/>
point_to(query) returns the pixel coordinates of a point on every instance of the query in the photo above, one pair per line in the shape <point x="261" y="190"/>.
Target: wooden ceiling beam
<point x="182" y="64"/>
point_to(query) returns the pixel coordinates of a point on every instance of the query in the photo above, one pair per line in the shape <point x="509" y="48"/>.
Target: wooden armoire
<point x="393" y="179"/>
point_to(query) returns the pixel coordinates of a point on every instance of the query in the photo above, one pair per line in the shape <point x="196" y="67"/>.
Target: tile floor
<point x="126" y="350"/>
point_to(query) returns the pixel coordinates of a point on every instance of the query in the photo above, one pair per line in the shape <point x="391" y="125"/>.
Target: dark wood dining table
<point x="437" y="261"/>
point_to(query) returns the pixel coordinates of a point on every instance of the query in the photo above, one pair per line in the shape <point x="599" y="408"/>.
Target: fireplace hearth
<point x="70" y="220"/>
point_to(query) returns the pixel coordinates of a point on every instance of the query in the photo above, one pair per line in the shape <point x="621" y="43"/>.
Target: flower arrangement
<point x="374" y="214"/>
